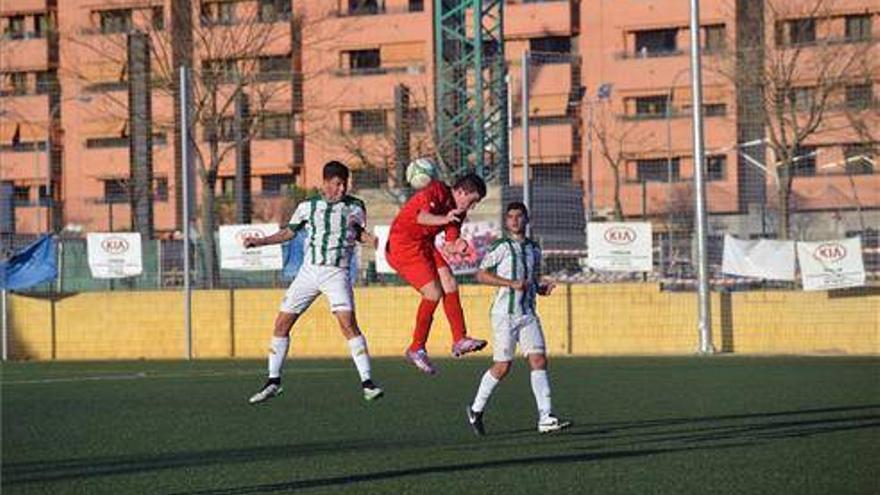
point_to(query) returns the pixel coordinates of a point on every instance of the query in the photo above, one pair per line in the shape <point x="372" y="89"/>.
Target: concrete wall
<point x="580" y="320"/>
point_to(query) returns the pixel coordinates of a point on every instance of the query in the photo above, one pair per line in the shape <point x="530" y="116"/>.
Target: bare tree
<point x="808" y="62"/>
<point x="616" y="136"/>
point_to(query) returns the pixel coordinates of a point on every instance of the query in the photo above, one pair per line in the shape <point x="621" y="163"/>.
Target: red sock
<point x="424" y="317"/>
<point x="455" y="315"/>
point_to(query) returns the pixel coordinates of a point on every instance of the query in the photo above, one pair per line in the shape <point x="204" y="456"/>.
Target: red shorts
<point x="415" y="263"/>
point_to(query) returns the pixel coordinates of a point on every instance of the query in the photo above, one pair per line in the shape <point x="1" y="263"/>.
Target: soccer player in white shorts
<point x="333" y="222"/>
<point x="513" y="265"/>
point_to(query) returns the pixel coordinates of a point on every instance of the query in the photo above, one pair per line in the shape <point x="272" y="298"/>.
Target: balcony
<point x="377" y="71"/>
<point x="368" y="8"/>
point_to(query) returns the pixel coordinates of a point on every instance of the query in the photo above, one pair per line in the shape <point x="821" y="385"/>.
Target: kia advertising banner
<point x="831" y="264"/>
<point x="619" y="246"/>
<point x="234" y="256"/>
<point x="114" y="254"/>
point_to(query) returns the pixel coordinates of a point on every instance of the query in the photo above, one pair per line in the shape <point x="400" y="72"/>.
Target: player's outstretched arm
<point x="276" y="238"/>
<point x="488" y="278"/>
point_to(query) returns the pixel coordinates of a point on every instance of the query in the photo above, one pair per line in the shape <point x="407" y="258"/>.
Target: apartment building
<point x="609" y="102"/>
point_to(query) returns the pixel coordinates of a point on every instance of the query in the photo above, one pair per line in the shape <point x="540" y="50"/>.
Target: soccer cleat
<point x="269" y="390"/>
<point x="371" y="391"/>
<point x="466" y="345"/>
<point x="476" y="421"/>
<point x="420" y="360"/>
<point x="552" y="423"/>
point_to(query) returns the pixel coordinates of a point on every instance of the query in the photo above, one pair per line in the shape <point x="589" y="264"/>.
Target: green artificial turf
<point x="715" y="425"/>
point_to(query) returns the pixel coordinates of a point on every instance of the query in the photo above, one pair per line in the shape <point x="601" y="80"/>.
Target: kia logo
<point x="620" y="235"/>
<point x="830" y="251"/>
<point x="114" y="245"/>
<point x="247" y="234"/>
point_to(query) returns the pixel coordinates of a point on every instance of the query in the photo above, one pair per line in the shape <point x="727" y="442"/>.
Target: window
<point x="275" y="10"/>
<point x="553" y="173"/>
<point x="551" y="44"/>
<point x="714" y="109"/>
<point x="107" y="142"/>
<point x="226" y="131"/>
<point x="799" y="98"/>
<point x="15" y="27"/>
<point x="651" y="106"/>
<point x="40" y="25"/>
<point x="43" y="196"/>
<point x="416" y="5"/>
<point x="157" y="18"/>
<point x="226" y="13"/>
<point x="656" y="42"/>
<point x="115" y="21"/>
<point x="275" y="68"/>
<point x="45" y="82"/>
<point x="657" y="170"/>
<point x="274" y="185"/>
<point x="227" y="186"/>
<point x="858" y="27"/>
<point x="21" y="195"/>
<point x="418" y="119"/>
<point x="804" y="161"/>
<point x="859" y="95"/>
<point x="276" y="126"/>
<point x="801" y="31"/>
<point x="363" y="7"/>
<point x="715" y="38"/>
<point x="367" y="121"/>
<point x="15" y="84"/>
<point x="115" y="191"/>
<point x="363" y="60"/>
<point x="715" y="167"/>
<point x="160" y="189"/>
<point x="859" y="158"/>
<point x="222" y="69"/>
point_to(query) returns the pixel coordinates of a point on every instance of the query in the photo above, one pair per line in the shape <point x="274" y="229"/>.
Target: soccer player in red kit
<point x="411" y="251"/>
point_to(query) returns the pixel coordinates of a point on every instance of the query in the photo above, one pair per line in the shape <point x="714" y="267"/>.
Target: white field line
<point x="161" y="376"/>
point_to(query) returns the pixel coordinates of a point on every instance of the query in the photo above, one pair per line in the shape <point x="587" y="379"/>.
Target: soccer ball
<point x="420" y="171"/>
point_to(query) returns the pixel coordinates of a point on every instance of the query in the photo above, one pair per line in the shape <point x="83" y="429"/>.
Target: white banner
<point x="381" y="231"/>
<point x="114" y="254"/>
<point x="234" y="256"/>
<point x="831" y="264"/>
<point x="620" y="247"/>
<point x="479" y="235"/>
<point x="762" y="258"/>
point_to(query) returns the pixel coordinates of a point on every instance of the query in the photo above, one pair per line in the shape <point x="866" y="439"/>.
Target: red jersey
<point x="436" y="199"/>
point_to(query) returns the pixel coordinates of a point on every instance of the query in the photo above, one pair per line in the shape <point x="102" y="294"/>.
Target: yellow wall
<point x="634" y="318"/>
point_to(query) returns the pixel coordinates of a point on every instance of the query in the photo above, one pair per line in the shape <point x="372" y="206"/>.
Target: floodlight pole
<point x="5" y="302"/>
<point x="703" y="295"/>
<point x="184" y="160"/>
<point x="524" y="117"/>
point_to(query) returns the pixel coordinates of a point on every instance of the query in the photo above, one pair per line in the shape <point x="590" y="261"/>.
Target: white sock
<point x="277" y="353"/>
<point x="360" y="356"/>
<point x="541" y="390"/>
<point x="487" y="385"/>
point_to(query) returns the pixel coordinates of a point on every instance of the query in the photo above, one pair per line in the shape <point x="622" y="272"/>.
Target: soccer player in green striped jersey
<point x="513" y="264"/>
<point x="333" y="222"/>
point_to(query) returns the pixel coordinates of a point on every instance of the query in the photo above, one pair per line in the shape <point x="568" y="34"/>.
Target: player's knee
<point x="500" y="369"/>
<point x="432" y="291"/>
<point x="538" y="361"/>
<point x="283" y="323"/>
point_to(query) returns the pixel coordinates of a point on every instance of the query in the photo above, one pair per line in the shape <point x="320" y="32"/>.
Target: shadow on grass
<point x="619" y="440"/>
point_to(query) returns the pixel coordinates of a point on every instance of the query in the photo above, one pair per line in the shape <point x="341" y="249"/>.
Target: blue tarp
<point x="31" y="266"/>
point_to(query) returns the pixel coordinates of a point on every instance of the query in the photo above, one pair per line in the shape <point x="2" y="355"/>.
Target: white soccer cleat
<point x="371" y="391"/>
<point x="269" y="390"/>
<point x="551" y="424"/>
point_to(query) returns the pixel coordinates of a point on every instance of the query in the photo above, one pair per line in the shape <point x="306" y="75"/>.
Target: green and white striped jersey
<point x="332" y="229"/>
<point x="514" y="260"/>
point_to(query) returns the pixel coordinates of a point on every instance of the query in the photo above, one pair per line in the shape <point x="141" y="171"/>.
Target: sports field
<point x="642" y="425"/>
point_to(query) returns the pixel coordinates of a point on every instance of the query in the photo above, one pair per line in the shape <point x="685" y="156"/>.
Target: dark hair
<point x="335" y="169"/>
<point x="517" y="205"/>
<point x="471" y="183"/>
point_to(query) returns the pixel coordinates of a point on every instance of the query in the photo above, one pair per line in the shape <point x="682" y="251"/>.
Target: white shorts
<point x="508" y="330"/>
<point x="313" y="280"/>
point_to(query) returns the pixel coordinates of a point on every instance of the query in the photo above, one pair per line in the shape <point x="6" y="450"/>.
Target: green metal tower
<point x="471" y="92"/>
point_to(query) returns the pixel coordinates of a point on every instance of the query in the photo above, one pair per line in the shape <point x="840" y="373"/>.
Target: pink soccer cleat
<point x="420" y="360"/>
<point x="466" y="345"/>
